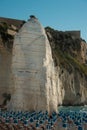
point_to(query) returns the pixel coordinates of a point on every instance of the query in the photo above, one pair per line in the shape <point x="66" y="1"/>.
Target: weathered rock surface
<point x="38" y="76"/>
<point x="5" y="69"/>
<point x="33" y="72"/>
<point x="73" y="88"/>
<point x="70" y="57"/>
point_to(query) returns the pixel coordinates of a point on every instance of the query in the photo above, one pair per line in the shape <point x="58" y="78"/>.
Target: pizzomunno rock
<point x="33" y="74"/>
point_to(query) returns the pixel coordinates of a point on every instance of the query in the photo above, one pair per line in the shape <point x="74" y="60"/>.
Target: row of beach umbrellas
<point x="63" y="120"/>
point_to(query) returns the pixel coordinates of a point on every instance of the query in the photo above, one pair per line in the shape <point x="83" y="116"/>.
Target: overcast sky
<point x="59" y="14"/>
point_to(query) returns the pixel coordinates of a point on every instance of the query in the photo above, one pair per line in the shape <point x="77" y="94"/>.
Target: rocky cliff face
<point x="63" y="68"/>
<point x="6" y="43"/>
<point x="33" y="73"/>
<point x="8" y="29"/>
<point x="70" y="57"/>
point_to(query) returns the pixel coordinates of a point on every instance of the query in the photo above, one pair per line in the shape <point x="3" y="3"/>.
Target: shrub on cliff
<point x="7" y="39"/>
<point x="66" y="50"/>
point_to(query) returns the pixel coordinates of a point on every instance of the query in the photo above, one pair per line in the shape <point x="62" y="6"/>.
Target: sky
<point x="61" y="15"/>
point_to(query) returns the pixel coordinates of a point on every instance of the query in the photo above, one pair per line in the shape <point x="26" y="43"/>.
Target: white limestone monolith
<point x="33" y="71"/>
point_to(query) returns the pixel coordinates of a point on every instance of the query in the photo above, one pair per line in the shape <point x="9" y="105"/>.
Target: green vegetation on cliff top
<point x="7" y="39"/>
<point x="66" y="51"/>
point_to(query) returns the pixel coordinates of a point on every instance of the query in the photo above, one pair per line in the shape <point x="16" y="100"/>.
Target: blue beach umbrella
<point x="37" y="124"/>
<point x="41" y="121"/>
<point x="15" y="121"/>
<point x="7" y="121"/>
<point x="25" y="122"/>
<point x="64" y="125"/>
<point x="85" y="120"/>
<point x="31" y="120"/>
<point x="80" y="128"/>
<point x="48" y="127"/>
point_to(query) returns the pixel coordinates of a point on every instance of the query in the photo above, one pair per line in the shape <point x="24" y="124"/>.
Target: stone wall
<point x="74" y="34"/>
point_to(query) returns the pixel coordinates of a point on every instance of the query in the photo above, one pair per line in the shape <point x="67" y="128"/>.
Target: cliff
<point x="69" y="70"/>
<point x="70" y="58"/>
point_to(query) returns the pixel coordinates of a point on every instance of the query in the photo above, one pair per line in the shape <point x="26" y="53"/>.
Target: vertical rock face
<point x="33" y="73"/>
<point x="70" y="57"/>
<point x="5" y="64"/>
<point x="72" y="88"/>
